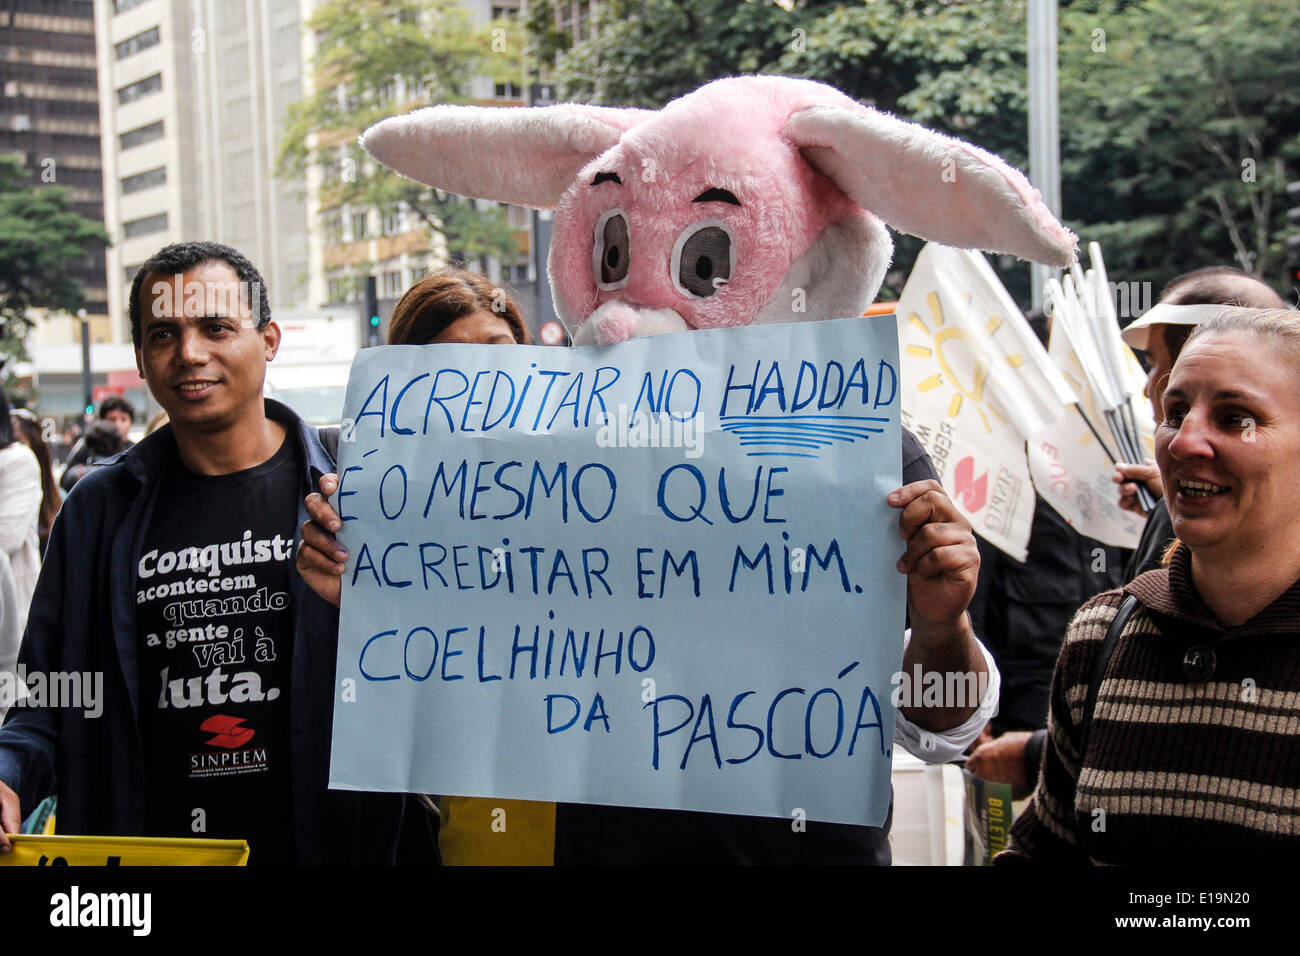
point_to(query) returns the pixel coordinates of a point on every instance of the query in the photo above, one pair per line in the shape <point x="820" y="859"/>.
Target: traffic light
<point x="372" y="311"/>
<point x="1293" y="233"/>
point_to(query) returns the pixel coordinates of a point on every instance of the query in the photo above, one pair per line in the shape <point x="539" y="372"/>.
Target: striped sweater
<point x="1194" y="753"/>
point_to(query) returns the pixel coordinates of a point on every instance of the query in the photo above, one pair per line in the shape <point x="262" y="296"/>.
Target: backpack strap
<point x="1099" y="666"/>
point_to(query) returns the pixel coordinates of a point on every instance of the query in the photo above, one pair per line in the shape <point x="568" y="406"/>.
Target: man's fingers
<point x="929" y="506"/>
<point x="1132" y="472"/>
<point x="317" y="537"/>
<point x="949" y="559"/>
<point x="321" y="512"/>
<point x="10" y="817"/>
<point x="902" y="497"/>
<point x="929" y="537"/>
<point x="321" y="574"/>
<point x="312" y="559"/>
<point x="329" y="483"/>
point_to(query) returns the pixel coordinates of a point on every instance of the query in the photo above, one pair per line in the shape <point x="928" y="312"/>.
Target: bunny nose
<point x="616" y="322"/>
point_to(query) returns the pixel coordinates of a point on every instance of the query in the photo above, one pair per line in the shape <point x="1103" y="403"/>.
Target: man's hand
<point x="11" y="820"/>
<point x="1002" y="760"/>
<point x="1127" y="476"/>
<point x="320" y="556"/>
<point x="942" y="561"/>
<point x="942" y="564"/>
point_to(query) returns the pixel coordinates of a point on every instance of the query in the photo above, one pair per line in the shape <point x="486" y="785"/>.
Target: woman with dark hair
<point x="453" y="305"/>
<point x="445" y="307"/>
<point x="27" y="428"/>
<point x="20" y="505"/>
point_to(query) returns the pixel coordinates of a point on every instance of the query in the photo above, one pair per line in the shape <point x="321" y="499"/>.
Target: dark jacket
<point x="1021" y="611"/>
<point x="82" y="619"/>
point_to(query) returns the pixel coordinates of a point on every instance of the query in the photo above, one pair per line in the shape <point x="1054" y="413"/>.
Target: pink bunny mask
<point x="753" y="199"/>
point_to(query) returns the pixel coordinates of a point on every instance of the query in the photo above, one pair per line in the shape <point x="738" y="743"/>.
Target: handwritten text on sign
<point x="659" y="574"/>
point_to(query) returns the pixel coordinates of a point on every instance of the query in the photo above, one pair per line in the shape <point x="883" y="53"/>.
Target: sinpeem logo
<point x="227" y="730"/>
<point x="77" y="909"/>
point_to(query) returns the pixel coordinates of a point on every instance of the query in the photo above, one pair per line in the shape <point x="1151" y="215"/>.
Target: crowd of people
<point x="1147" y="702"/>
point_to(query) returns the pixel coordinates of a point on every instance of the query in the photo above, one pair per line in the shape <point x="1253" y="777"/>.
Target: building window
<point x="133" y="45"/>
<point x="121" y="6"/>
<point x="387" y="93"/>
<point x="333" y="227"/>
<point x="347" y="101"/>
<point x="145" y="226"/>
<point x="129" y="273"/>
<point x="392" y="284"/>
<point x="359" y="222"/>
<point x="503" y="13"/>
<point x="508" y="91"/>
<point x="145" y="180"/>
<point x="138" y="89"/>
<point x="518" y="217"/>
<point x="394" y="221"/>
<point x="141" y="135"/>
<point x="341" y="288"/>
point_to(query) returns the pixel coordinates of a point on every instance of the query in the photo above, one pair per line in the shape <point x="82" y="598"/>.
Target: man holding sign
<point x="169" y="578"/>
<point x="562" y="599"/>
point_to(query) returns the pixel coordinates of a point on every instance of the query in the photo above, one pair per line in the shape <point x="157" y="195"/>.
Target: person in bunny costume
<point x="754" y="199"/>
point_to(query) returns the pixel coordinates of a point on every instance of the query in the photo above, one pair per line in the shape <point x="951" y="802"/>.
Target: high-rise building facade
<point x="394" y="244"/>
<point x="193" y="95"/>
<point x="49" y="119"/>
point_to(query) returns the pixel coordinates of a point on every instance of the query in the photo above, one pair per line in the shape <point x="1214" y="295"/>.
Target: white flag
<point x="976" y="383"/>
<point x="1071" y="468"/>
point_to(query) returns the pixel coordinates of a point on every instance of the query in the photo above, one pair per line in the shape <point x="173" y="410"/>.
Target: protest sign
<point x="658" y="574"/>
<point x="123" y="851"/>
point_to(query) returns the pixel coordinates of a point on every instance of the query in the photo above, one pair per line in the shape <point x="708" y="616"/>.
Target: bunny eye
<point x="611" y="251"/>
<point x="704" y="257"/>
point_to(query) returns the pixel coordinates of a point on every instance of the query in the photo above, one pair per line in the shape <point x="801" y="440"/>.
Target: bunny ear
<point x="930" y="185"/>
<point x="527" y="156"/>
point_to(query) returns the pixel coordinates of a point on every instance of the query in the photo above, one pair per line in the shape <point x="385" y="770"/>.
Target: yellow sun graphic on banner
<point x="963" y="358"/>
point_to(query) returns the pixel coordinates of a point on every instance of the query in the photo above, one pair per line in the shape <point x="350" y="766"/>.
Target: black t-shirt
<point x="216" y="642"/>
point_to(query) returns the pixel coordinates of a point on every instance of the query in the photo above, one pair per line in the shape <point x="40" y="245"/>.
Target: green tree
<point x="1180" y="121"/>
<point x="958" y="68"/>
<point x="41" y="239"/>
<point x="377" y="58"/>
